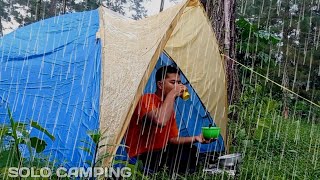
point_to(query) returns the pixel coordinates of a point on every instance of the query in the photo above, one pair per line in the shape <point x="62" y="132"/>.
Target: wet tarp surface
<point x="50" y="73"/>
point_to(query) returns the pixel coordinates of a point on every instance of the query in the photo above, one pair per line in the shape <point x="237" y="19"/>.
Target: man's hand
<point x="202" y="140"/>
<point x="178" y="90"/>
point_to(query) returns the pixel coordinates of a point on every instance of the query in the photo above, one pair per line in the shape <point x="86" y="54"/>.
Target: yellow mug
<point x="185" y="95"/>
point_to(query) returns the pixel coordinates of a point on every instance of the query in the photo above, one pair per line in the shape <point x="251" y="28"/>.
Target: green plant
<point x="96" y="137"/>
<point x="15" y="134"/>
<point x="135" y="168"/>
<point x="274" y="147"/>
<point x="256" y="43"/>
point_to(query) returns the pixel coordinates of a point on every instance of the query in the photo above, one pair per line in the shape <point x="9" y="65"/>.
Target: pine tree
<point x="38" y="10"/>
<point x="296" y="58"/>
<point x="1" y="33"/>
<point x="3" y="14"/>
<point x="138" y="9"/>
<point x="222" y="16"/>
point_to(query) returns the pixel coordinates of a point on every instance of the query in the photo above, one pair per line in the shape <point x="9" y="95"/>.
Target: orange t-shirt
<point x="143" y="135"/>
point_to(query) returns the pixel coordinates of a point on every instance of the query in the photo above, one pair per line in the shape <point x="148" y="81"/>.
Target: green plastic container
<point x="210" y="132"/>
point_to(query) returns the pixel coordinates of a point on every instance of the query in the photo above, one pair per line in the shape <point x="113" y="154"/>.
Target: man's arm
<point x="183" y="140"/>
<point x="190" y="140"/>
<point x="161" y="115"/>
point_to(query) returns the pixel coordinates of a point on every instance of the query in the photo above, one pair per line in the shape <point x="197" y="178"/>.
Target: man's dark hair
<point x="164" y="70"/>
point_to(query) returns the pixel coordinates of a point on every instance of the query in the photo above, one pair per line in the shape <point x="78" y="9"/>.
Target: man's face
<point x="169" y="83"/>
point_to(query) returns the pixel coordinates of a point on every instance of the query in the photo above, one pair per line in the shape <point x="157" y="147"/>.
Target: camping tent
<point x="86" y="71"/>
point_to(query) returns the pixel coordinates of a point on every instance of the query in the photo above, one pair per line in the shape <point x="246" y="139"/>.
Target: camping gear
<point x="210" y="132"/>
<point x="86" y="71"/>
<point x="228" y="164"/>
<point x="230" y="160"/>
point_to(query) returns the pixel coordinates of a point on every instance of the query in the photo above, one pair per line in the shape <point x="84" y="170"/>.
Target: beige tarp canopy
<point x="130" y="50"/>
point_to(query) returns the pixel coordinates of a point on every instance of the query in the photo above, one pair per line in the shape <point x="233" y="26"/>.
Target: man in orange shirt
<point x="153" y="136"/>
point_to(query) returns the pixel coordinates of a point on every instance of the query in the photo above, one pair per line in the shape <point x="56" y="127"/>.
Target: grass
<point x="272" y="147"/>
<point x="287" y="149"/>
<point x="282" y="149"/>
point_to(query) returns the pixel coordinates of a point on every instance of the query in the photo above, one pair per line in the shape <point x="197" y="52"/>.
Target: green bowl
<point x="210" y="132"/>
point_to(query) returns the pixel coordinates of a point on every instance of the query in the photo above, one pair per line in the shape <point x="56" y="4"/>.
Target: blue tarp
<point x="50" y="73"/>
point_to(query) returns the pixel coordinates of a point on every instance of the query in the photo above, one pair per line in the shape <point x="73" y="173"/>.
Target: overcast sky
<point x="153" y="6"/>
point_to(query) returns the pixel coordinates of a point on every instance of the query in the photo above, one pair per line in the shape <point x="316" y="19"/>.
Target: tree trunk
<point x="87" y="5"/>
<point x="222" y="16"/>
<point x="10" y="7"/>
<point x="64" y="6"/>
<point x="38" y="9"/>
<point x="161" y="5"/>
<point x="1" y="33"/>
<point x="53" y="7"/>
<point x="285" y="48"/>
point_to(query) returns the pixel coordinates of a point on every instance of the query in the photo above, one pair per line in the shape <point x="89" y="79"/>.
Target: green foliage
<point x="255" y="44"/>
<point x="274" y="147"/>
<point x="16" y="134"/>
<point x="247" y="29"/>
<point x="95" y="136"/>
<point x="273" y="38"/>
<point x="38" y="144"/>
<point x="41" y="129"/>
<point x="198" y="175"/>
<point x="136" y="169"/>
<point x="93" y="146"/>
